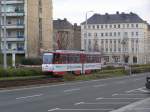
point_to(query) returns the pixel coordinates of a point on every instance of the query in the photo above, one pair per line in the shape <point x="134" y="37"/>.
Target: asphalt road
<point x="88" y="96"/>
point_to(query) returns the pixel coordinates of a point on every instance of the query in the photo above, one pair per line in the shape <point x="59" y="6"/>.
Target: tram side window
<point x="57" y="59"/>
<point x="64" y="59"/>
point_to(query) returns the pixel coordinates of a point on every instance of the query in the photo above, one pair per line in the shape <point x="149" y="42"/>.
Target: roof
<point x="62" y="24"/>
<point x="114" y="18"/>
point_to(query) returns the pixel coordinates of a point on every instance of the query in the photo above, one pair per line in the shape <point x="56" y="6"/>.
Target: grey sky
<point x="74" y="10"/>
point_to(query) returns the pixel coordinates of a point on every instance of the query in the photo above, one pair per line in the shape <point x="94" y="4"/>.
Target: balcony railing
<point x="15" y="39"/>
<point x="12" y="1"/>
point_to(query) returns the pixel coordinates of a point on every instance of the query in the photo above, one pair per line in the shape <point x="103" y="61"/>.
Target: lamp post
<point x="5" y="41"/>
<point x="86" y="24"/>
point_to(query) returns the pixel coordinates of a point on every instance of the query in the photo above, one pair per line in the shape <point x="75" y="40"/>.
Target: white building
<point x="122" y="38"/>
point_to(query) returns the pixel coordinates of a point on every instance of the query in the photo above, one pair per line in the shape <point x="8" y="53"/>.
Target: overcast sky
<point x="75" y="10"/>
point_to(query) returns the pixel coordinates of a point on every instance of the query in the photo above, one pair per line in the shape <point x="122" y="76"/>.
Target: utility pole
<point x="5" y="37"/>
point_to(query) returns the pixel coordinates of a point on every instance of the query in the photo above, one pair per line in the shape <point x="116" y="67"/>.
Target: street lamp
<point x="86" y="24"/>
<point x="5" y="41"/>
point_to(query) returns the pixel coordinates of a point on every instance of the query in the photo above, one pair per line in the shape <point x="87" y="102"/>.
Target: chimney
<point x="117" y="12"/>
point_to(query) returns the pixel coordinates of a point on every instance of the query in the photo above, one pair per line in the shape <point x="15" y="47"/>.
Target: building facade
<point x="28" y="26"/>
<point x="66" y="36"/>
<point x="122" y="38"/>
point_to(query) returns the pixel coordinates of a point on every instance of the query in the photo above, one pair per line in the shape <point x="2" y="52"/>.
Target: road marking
<point x="128" y="94"/>
<point x="51" y="110"/>
<point x="115" y="94"/>
<point x="142" y="108"/>
<point x="100" y="98"/>
<point x="71" y="90"/>
<point x="101" y="85"/>
<point x="98" y="109"/>
<point x="130" y="91"/>
<point x="79" y="103"/>
<point x="106" y="103"/>
<point x="142" y="90"/>
<point x="25" y="97"/>
<point x="137" y="79"/>
<point x="120" y="82"/>
<point x="119" y="98"/>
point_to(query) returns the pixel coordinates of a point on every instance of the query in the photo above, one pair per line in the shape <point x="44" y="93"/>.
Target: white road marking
<point x="51" y="110"/>
<point x="98" y="109"/>
<point x="100" y="98"/>
<point x="70" y="90"/>
<point x="106" y="103"/>
<point x="120" y="82"/>
<point x="119" y="98"/>
<point x="101" y="85"/>
<point x="79" y="103"/>
<point x="137" y="79"/>
<point x="130" y="91"/>
<point x="128" y="94"/>
<point x="142" y="108"/>
<point x="115" y="94"/>
<point x="25" y="97"/>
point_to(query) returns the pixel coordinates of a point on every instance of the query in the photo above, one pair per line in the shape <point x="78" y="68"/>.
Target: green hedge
<point x="19" y="72"/>
<point x="31" y="61"/>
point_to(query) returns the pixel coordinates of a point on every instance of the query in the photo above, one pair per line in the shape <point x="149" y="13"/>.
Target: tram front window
<point x="48" y="58"/>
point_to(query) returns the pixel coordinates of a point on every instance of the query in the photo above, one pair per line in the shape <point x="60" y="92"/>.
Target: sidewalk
<point x="141" y="106"/>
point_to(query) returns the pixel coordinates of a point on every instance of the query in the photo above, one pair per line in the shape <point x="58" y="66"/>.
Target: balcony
<point x="15" y="39"/>
<point x="13" y="2"/>
<point x="17" y="51"/>
<point x="14" y="26"/>
<point x="14" y="14"/>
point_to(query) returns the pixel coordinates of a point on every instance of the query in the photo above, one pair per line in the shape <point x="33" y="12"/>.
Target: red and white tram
<point x="62" y="61"/>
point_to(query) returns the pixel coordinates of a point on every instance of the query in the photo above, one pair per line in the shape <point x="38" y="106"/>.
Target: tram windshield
<point x="48" y="58"/>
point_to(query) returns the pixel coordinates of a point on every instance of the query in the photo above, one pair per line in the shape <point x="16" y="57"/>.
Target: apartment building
<point x="29" y="26"/>
<point x="120" y="37"/>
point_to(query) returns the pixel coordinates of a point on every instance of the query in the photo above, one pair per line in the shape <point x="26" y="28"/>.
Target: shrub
<point x="31" y="61"/>
<point x="19" y="72"/>
<point x="69" y="77"/>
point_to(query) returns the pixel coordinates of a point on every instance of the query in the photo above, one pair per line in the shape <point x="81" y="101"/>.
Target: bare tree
<point x="63" y="40"/>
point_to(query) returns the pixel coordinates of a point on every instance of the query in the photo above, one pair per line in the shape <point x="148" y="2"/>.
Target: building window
<point x="132" y="34"/>
<point x="89" y="34"/>
<point x="89" y="26"/>
<point x="106" y="34"/>
<point x="102" y="41"/>
<point x="115" y="34"/>
<point x="111" y="41"/>
<point x="118" y="33"/>
<point x="127" y="25"/>
<point x="137" y="25"/>
<point x="93" y="26"/>
<point x="95" y="34"/>
<point x="137" y="33"/>
<point x="132" y="25"/>
<point x="106" y="41"/>
<point x="110" y="26"/>
<point x="102" y="34"/>
<point x="110" y="33"/>
<point x="97" y="26"/>
<point x="114" y="26"/>
<point x="119" y="26"/>
<point x="101" y="26"/>
<point x="9" y="45"/>
<point x="105" y="26"/>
